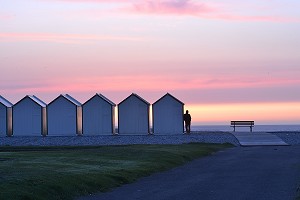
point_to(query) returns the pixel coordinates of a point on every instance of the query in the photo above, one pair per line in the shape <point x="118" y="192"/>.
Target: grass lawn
<point x="67" y="172"/>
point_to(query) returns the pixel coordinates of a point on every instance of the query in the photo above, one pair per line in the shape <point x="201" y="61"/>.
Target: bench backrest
<point x="242" y="123"/>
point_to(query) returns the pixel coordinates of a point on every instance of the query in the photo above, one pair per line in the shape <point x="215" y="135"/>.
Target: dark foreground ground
<point x="237" y="173"/>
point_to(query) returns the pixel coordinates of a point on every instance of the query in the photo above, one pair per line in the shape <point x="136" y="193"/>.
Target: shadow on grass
<point x="67" y="172"/>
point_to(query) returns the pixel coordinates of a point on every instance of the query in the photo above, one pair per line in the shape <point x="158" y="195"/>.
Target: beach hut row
<point x="65" y="116"/>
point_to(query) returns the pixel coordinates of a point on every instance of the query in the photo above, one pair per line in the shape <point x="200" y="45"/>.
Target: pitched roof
<point x="37" y="100"/>
<point x="34" y="99"/>
<point x="135" y="95"/>
<point x="106" y="99"/>
<point x="5" y="102"/>
<point x="71" y="99"/>
<point x="102" y="97"/>
<point x="68" y="98"/>
<point x="168" y="94"/>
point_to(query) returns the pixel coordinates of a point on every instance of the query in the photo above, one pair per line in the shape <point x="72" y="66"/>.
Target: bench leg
<point x="233" y="128"/>
<point x="251" y="129"/>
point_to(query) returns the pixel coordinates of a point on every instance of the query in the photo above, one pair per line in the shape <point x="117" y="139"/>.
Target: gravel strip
<point x="291" y="138"/>
<point x="194" y="137"/>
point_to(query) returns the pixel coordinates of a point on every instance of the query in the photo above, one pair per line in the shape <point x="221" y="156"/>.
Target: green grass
<point x="67" y="172"/>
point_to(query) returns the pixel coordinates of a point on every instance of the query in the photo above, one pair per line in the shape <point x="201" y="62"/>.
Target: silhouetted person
<point x="187" y="120"/>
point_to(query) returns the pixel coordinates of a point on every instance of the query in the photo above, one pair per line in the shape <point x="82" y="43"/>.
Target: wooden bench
<point x="242" y="124"/>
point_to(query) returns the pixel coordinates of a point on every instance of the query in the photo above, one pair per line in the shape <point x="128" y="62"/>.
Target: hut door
<point x="142" y="123"/>
<point x="168" y="127"/>
<point x="69" y="126"/>
<point x="106" y="119"/>
<point x="36" y="122"/>
<point x="177" y="120"/>
<point x="2" y="120"/>
<point x="25" y="121"/>
<point x="93" y="120"/>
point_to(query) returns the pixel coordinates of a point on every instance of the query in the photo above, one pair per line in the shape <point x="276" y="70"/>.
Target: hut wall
<point x="62" y="117"/>
<point x="3" y="120"/>
<point x="79" y="120"/>
<point x="168" y="116"/>
<point x="97" y="117"/>
<point x="133" y="116"/>
<point x="27" y="118"/>
<point x="44" y="122"/>
<point x="9" y="123"/>
<point x="113" y="117"/>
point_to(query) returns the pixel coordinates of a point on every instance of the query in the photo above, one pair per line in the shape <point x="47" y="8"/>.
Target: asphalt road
<point x="239" y="173"/>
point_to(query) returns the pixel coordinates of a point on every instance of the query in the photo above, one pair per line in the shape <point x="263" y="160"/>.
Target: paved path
<point x="239" y="173"/>
<point x="258" y="139"/>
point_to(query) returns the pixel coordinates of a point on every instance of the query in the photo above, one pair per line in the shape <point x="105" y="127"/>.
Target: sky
<point x="225" y="59"/>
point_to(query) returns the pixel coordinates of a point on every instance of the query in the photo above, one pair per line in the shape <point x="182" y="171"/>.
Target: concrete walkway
<point x="258" y="139"/>
<point x="259" y="173"/>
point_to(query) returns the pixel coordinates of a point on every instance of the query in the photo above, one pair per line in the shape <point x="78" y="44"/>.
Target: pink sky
<point x="210" y="54"/>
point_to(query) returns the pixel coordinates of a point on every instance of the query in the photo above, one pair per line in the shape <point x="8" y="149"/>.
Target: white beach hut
<point x="64" y="116"/>
<point x="167" y="113"/>
<point x="133" y="115"/>
<point x="5" y="117"/>
<point x="98" y="116"/>
<point x="29" y="117"/>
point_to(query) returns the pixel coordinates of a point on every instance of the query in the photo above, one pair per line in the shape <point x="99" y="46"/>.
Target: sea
<point x="256" y="128"/>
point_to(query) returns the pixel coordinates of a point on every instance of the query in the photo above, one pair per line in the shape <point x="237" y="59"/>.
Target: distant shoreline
<point x="256" y="128"/>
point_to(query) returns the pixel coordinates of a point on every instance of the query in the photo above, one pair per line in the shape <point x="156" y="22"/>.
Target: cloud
<point x="156" y="83"/>
<point x="61" y="38"/>
<point x="86" y="1"/>
<point x="200" y="9"/>
<point x="6" y="16"/>
<point x="94" y="1"/>
<point x="179" y="7"/>
<point x="248" y="18"/>
<point x="195" y="89"/>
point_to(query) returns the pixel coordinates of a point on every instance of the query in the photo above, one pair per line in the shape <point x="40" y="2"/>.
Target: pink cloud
<point x="61" y="38"/>
<point x="231" y="17"/>
<point x="91" y="1"/>
<point x="205" y="10"/>
<point x="6" y="16"/>
<point x="232" y="89"/>
<point x="201" y="10"/>
<point x="146" y="83"/>
<point x="183" y="7"/>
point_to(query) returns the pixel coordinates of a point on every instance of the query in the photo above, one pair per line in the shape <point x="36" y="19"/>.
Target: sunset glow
<point x="262" y="113"/>
<point x="226" y="59"/>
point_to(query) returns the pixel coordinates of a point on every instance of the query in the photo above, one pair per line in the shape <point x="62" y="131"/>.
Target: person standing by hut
<point x="187" y="120"/>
